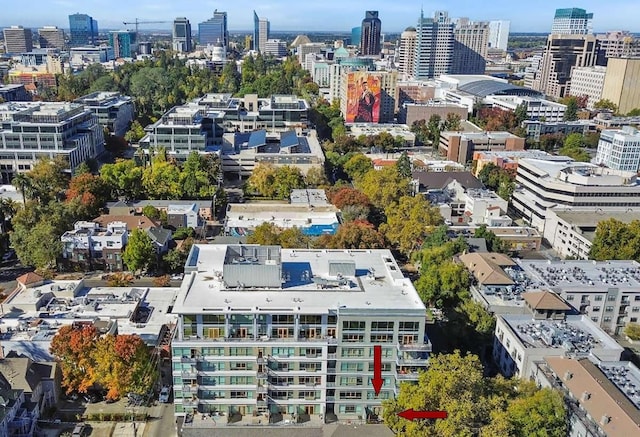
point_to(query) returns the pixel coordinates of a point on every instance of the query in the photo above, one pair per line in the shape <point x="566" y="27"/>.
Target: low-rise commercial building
<point x="114" y="111"/>
<point x="268" y="334"/>
<point x="411" y="112"/>
<point x="396" y="130"/>
<point x="34" y="130"/>
<point x="535" y="129"/>
<point x="14" y="93"/>
<point x="619" y="149"/>
<point x="537" y="108"/>
<point x="205" y="208"/>
<point x="558" y="181"/>
<point x="460" y="146"/>
<point x="503" y="159"/>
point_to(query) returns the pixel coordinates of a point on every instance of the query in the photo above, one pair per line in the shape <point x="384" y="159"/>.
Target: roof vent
<point x="605" y="419"/>
<point x="586" y="396"/>
<point x="568" y="375"/>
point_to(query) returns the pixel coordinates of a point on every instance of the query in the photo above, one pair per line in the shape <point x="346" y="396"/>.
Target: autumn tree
<point x="265" y="234"/>
<point x="606" y="104"/>
<point x="48" y="179"/>
<point x="353" y="204"/>
<point x="161" y="180"/>
<point x="90" y="191"/>
<point x="358" y="234"/>
<point x="357" y="166"/>
<point x="409" y="222"/>
<point x="71" y="347"/>
<point x="316" y="178"/>
<point x="632" y="330"/>
<point x="139" y="253"/>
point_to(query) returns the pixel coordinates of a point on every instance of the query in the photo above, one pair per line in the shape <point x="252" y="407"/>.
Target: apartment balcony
<point x="412" y="361"/>
<point x="332" y="356"/>
<point x="421" y="347"/>
<point x="190" y="373"/>
<point x="408" y="376"/>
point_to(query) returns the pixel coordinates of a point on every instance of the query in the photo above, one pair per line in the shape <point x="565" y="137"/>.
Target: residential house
<point x="40" y="381"/>
<point x="183" y="216"/>
<point x="18" y="417"/>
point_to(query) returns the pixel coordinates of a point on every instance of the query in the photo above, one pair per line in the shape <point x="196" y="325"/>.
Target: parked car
<point x="164" y="394"/>
<point x="79" y="430"/>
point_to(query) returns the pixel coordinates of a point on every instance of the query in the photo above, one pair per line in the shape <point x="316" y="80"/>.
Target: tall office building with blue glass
<point x="83" y="30"/>
<point x="214" y="30"/>
<point x="123" y="42"/>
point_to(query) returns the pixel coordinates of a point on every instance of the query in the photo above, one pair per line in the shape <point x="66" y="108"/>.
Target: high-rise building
<point x="370" y="34"/>
<point x="407" y="51"/>
<point x="471" y="42"/>
<point x="275" y="47"/>
<point x="572" y="21"/>
<point x="562" y="54"/>
<point x="182" y="35"/>
<point x="17" y="39"/>
<point x="356" y="35"/>
<point x="434" y="46"/>
<point x="261" y="30"/>
<point x="123" y="42"/>
<point x="214" y="30"/>
<point x="621" y="83"/>
<point x="589" y="82"/>
<point x="499" y="34"/>
<point x="619" y="149"/>
<point x="51" y="37"/>
<point x="619" y="44"/>
<point x="290" y="340"/>
<point x="83" y="30"/>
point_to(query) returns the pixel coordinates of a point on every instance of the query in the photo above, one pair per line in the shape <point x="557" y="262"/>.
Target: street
<point x="162" y="421"/>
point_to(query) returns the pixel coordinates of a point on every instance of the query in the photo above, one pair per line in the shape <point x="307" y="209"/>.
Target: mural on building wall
<point x="363" y="98"/>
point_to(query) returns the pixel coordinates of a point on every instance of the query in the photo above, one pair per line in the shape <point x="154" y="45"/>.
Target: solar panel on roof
<point x="257" y="139"/>
<point x="288" y="139"/>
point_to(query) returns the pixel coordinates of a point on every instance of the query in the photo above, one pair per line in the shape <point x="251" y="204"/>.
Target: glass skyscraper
<point x="182" y="35"/>
<point x="123" y="42"/>
<point x="83" y="30"/>
<point x="214" y="30"/>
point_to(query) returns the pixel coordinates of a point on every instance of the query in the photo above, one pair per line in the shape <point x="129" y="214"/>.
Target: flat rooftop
<point x="581" y="275"/>
<point x="311" y="282"/>
<point x="576" y="334"/>
<point x="566" y="170"/>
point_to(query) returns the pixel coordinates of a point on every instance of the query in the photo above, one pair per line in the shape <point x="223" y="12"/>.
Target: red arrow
<point x="412" y="414"/>
<point x="377" y="369"/>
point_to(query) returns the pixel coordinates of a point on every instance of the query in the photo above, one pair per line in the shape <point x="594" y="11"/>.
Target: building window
<point x="608" y="309"/>
<point x="635" y="309"/>
<point x="607" y="319"/>
<point x="633" y="319"/>
<point x="596" y="309"/>
<point x="570" y="297"/>
<point x="611" y="298"/>
<point x="599" y="298"/>
<point x="595" y="319"/>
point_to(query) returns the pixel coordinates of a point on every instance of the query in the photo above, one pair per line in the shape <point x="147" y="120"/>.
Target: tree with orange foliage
<point x="89" y="191"/>
<point x="72" y="347"/>
<point x="358" y="234"/>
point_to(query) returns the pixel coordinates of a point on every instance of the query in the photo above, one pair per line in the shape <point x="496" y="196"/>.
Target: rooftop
<point x="293" y="280"/>
<point x="440" y="179"/>
<point x="308" y="196"/>
<point x="566" y="170"/>
<point x="545" y="300"/>
<point x="488" y="268"/>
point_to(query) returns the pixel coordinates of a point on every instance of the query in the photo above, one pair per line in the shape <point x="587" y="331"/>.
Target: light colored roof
<point x="545" y="300"/>
<point x="132" y="221"/>
<point x="604" y="397"/>
<point x="29" y="279"/>
<point x="487" y="267"/>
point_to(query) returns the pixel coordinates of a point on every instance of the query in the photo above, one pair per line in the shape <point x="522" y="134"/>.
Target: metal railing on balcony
<point x="424" y="347"/>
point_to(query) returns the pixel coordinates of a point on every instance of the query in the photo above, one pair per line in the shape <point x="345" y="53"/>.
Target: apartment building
<point x="79" y="56"/>
<point x="588" y="81"/>
<point x="470" y="47"/>
<point x="17" y="39"/>
<point x="558" y="181"/>
<point x="522" y="340"/>
<point x="605" y="292"/>
<point x="51" y="37"/>
<point x="572" y="21"/>
<point x="507" y="160"/>
<point x="92" y="247"/>
<point x="114" y="111"/>
<point x="537" y="108"/>
<point x="268" y="334"/>
<point x="33" y="130"/>
<point x="619" y="149"/>
<point x="407" y="51"/>
<point x="460" y="146"/>
<point x="536" y="128"/>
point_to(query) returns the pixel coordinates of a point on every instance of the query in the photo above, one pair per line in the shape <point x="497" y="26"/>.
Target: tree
<point x="71" y="347"/>
<point x="616" y="240"/>
<point x="139" y="253"/>
<point x="124" y="178"/>
<point x="265" y="234"/>
<point x="316" y="178"/>
<point x="383" y="187"/>
<point x="494" y="244"/>
<point x="521" y="112"/>
<point x="571" y="112"/>
<point x="635" y="112"/>
<point x="23" y="183"/>
<point x="151" y="211"/>
<point x="357" y="166"/>
<point x="161" y="180"/>
<point x="434" y="130"/>
<point x="293" y="238"/>
<point x="135" y="132"/>
<point x="409" y="222"/>
<point x="452" y="122"/>
<point x="358" y="234"/>
<point x="48" y="180"/>
<point x="37" y="244"/>
<point x="421" y="130"/>
<point x="287" y="178"/>
<point x="90" y="191"/>
<point x="632" y="330"/>
<point x="176" y="259"/>
<point x="195" y="178"/>
<point x="573" y="148"/>
<point x="606" y="104"/>
<point x="498" y="179"/>
<point x="262" y="179"/>
<point x="404" y="165"/>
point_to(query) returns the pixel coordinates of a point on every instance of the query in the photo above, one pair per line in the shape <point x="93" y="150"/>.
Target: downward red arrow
<point x="377" y="369"/>
<point x="412" y="414"/>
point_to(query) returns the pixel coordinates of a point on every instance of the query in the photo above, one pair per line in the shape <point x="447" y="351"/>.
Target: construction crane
<point x="138" y="22"/>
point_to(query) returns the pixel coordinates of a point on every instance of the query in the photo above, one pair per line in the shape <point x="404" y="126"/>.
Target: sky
<point x="314" y="15"/>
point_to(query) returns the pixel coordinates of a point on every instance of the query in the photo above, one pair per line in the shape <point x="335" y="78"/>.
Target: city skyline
<point x="395" y="17"/>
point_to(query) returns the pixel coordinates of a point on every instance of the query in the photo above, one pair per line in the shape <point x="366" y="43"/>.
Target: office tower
<point x="589" y="82"/>
<point x="370" y="34"/>
<point x="51" y="37"/>
<point x="83" y="30"/>
<point x="471" y="42"/>
<point x="286" y="342"/>
<point x="182" y="35"/>
<point x="621" y="83"/>
<point x="619" y="44"/>
<point x="356" y="35"/>
<point x="434" y="46"/>
<point x="499" y="34"/>
<point x="214" y="30"/>
<point x="17" y="39"/>
<point x="276" y="47"/>
<point x="261" y="29"/>
<point x="123" y="42"/>
<point x="562" y="54"/>
<point x="619" y="149"/>
<point x="572" y="21"/>
<point x="407" y="50"/>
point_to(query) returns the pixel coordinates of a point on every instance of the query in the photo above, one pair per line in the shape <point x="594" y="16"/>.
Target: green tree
<point x="452" y="122"/>
<point x="161" y="180"/>
<point x="135" y="132"/>
<point x="433" y="126"/>
<point x="571" y="113"/>
<point x="357" y="166"/>
<point x="316" y="178"/>
<point x="37" y="245"/>
<point x="409" y="222"/>
<point x="358" y="234"/>
<point x="176" y="259"/>
<point x="421" y="130"/>
<point x="521" y="113"/>
<point x="139" y="253"/>
<point x="287" y="178"/>
<point x="573" y="148"/>
<point x="124" y="178"/>
<point x="616" y="240"/>
<point x="262" y="180"/>
<point x="266" y="234"/>
<point x="383" y="187"/>
<point x="195" y="178"/>
<point x="404" y="165"/>
<point x="632" y="330"/>
<point x="606" y="104"/>
<point x="48" y="179"/>
<point x="151" y="211"/>
<point x="494" y="244"/>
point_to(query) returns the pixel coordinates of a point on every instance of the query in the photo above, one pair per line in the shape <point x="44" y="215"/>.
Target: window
<point x="608" y="309"/>
<point x="350" y="395"/>
<point x="353" y="326"/>
<point x="381" y="338"/>
<point x="633" y="319"/>
<point x="635" y="309"/>
<point x="382" y="326"/>
<point x="607" y="319"/>
<point x="595" y="319"/>
<point x="598" y="298"/>
<point x="409" y="326"/>
<point x="611" y="298"/>
<point x="570" y="297"/>
<point x="596" y="309"/>
<point x="353" y="338"/>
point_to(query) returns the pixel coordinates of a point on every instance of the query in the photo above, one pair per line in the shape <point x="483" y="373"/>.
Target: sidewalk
<point x="127" y="429"/>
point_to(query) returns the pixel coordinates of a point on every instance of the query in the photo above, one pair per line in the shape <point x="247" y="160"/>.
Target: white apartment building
<point x="305" y="49"/>
<point x="537" y="109"/>
<point x="486" y="207"/>
<point x="558" y="181"/>
<point x="619" y="149"/>
<point x="267" y="334"/>
<point x="88" y="244"/>
<point x="605" y="292"/>
<point x="33" y="130"/>
<point x="588" y="81"/>
<point x="114" y="111"/>
<point x="521" y="341"/>
<point x="320" y="71"/>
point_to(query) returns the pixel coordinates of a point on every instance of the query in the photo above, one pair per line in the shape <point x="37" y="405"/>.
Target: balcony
<point x="422" y="347"/>
<point x="412" y="361"/>
<point x="408" y="376"/>
<point x="332" y="356"/>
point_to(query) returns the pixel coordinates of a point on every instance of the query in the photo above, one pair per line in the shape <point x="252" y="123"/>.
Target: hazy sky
<point x="342" y="15"/>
